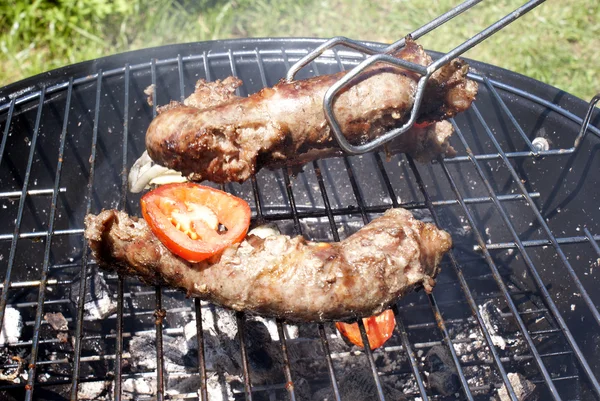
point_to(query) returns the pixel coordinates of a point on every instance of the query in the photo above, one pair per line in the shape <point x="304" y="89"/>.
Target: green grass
<point x="556" y="43"/>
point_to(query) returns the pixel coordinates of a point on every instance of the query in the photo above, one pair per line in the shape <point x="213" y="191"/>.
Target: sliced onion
<point x="145" y="173"/>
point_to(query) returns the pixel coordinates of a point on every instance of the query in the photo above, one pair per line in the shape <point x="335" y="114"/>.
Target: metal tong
<point x="384" y="56"/>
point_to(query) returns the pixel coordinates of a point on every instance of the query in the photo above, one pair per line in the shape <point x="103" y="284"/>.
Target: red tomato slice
<point x="187" y="217"/>
<point x="379" y="329"/>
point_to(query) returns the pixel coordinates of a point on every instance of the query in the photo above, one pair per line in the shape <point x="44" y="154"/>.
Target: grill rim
<point x="295" y="215"/>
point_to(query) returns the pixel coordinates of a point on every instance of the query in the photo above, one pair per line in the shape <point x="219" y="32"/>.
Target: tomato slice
<point x="379" y="329"/>
<point x="194" y="221"/>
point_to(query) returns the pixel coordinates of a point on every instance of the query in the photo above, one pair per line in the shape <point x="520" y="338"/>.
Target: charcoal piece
<point x="57" y="321"/>
<point x="258" y="340"/>
<point x="503" y="330"/>
<point x="524" y="389"/>
<point x="443" y="377"/>
<point x="358" y="384"/>
<point x="99" y="302"/>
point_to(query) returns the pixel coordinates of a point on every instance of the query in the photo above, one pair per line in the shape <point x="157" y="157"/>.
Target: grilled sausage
<point x="284" y="277"/>
<point x="217" y="136"/>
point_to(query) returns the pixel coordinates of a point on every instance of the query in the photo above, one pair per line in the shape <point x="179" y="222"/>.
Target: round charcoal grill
<point x="516" y="302"/>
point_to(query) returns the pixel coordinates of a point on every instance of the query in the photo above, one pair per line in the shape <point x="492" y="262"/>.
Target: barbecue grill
<point x="515" y="311"/>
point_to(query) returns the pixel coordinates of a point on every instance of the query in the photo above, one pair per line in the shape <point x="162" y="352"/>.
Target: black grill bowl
<point x="517" y="295"/>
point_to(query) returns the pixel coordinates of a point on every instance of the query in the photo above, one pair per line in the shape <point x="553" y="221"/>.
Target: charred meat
<point x="217" y="136"/>
<point x="280" y="276"/>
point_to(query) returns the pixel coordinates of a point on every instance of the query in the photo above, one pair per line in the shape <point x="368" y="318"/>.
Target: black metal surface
<point x="524" y="223"/>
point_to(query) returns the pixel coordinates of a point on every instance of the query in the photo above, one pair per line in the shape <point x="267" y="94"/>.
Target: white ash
<point x="136" y="387"/>
<point x="471" y="348"/>
<point x="522" y="387"/>
<point x="218" y="322"/>
<point x="93" y="390"/>
<point x="11" y="327"/>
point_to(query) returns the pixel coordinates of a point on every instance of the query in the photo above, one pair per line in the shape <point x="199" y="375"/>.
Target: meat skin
<point x="284" y="277"/>
<point x="217" y="136"/>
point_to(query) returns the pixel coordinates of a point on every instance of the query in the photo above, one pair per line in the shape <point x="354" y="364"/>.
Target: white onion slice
<point x="145" y="173"/>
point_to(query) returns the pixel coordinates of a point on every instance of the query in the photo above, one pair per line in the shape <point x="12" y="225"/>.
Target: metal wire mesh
<point x="503" y="228"/>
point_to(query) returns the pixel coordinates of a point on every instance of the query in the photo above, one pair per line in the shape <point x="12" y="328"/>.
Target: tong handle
<point x="383" y="56"/>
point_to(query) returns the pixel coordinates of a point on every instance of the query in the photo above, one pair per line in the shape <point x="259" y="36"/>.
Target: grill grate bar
<point x="41" y="234"/>
<point x="282" y="340"/>
<point x="197" y="302"/>
<point x="592" y="240"/>
<point x="289" y="385"/>
<point x="15" y="235"/>
<point x="298" y="229"/>
<point x="511" y="117"/>
<point x="11" y="109"/>
<point x="512" y="155"/>
<point x="531" y="267"/>
<point x="84" y="259"/>
<point x="31" y="192"/>
<point x="117" y="390"/>
<point x="584" y="294"/>
<point x="400" y="328"/>
<point x="323" y="212"/>
<point x="201" y="359"/>
<point x="336" y="237"/>
<point x="45" y="268"/>
<point x="266" y="388"/>
<point x="140" y="313"/>
<point x="325" y="345"/>
<point x="240" y="315"/>
<point x="540" y="242"/>
<point x="465" y="288"/>
<point x="159" y="313"/>
<point x="361" y="205"/>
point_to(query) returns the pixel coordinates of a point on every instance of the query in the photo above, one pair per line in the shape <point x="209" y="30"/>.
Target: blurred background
<point x="557" y="43"/>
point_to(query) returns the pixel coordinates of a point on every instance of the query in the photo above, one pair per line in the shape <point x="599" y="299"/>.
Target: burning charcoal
<point x="99" y="302"/>
<point x="442" y="373"/>
<point x="524" y="389"/>
<point x="93" y="390"/>
<point x="57" y="321"/>
<point x="358" y="384"/>
<point x="11" y="327"/>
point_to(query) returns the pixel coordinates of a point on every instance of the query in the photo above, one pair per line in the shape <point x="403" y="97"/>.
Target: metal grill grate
<point x="486" y="188"/>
